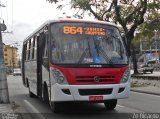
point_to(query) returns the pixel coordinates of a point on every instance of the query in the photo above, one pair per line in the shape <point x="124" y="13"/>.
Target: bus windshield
<point x="86" y="43"/>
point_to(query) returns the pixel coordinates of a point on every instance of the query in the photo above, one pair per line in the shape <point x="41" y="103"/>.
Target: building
<point x="10" y="57"/>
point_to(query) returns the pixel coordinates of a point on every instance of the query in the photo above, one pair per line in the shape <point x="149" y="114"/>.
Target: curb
<point x="141" y="91"/>
<point x="146" y="77"/>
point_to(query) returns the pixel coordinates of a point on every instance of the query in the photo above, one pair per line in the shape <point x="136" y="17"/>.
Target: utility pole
<point x="4" y="95"/>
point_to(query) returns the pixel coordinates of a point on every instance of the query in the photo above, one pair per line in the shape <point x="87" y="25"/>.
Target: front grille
<point x="102" y="79"/>
<point x="95" y="91"/>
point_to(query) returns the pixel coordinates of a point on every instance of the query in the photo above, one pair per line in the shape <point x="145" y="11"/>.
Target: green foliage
<point x="51" y="1"/>
<point x="152" y="22"/>
<point x="83" y="4"/>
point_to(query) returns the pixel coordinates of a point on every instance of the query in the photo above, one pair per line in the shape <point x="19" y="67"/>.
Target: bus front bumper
<point x="85" y="92"/>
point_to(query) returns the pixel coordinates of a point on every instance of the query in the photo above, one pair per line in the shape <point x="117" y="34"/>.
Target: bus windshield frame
<point x="81" y="43"/>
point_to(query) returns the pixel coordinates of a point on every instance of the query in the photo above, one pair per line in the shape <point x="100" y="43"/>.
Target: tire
<point x="56" y="107"/>
<point x="110" y="104"/>
<point x="45" y="94"/>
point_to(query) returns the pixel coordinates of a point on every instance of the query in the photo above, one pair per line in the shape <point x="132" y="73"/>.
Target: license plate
<point x="95" y="98"/>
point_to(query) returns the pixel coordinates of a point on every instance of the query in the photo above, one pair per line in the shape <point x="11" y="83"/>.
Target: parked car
<point x="16" y="72"/>
<point x="146" y="68"/>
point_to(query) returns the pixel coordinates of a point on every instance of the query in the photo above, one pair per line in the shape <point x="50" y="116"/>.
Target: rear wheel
<point x="45" y="94"/>
<point x="110" y="104"/>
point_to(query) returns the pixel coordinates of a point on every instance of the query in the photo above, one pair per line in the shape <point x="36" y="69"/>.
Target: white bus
<point x="76" y="60"/>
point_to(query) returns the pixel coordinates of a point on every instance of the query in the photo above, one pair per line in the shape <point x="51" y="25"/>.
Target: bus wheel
<point x="45" y="94"/>
<point x="55" y="106"/>
<point x="110" y="104"/>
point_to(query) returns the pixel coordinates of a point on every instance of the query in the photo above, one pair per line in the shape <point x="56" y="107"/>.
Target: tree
<point x="146" y="31"/>
<point x="152" y="21"/>
<point x="128" y="13"/>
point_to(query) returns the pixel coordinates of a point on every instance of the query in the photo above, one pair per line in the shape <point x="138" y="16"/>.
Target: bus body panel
<point x="86" y="76"/>
<point x="31" y="75"/>
<point x="45" y="79"/>
<point x="58" y="95"/>
<point x="111" y="86"/>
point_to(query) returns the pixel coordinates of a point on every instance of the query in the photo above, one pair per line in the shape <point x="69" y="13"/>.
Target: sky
<point x="22" y="17"/>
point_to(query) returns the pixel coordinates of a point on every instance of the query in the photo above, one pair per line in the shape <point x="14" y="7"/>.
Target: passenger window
<point x="45" y="52"/>
<point x="46" y="46"/>
<point x="29" y="49"/>
<point x="25" y="51"/>
<point x="33" y="47"/>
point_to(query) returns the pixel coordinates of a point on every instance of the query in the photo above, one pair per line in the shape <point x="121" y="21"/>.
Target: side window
<point x="25" y="51"/>
<point x="32" y="47"/>
<point x="35" y="46"/>
<point x="45" y="51"/>
<point x="29" y="49"/>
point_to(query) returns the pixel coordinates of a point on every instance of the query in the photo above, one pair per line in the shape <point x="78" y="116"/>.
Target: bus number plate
<point x="95" y="98"/>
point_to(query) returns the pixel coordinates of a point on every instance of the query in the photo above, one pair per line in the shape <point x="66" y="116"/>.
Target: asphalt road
<point x="131" y="107"/>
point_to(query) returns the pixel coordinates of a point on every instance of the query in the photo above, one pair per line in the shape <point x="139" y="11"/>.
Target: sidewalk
<point x="7" y="112"/>
<point x="6" y="108"/>
<point x="147" y="89"/>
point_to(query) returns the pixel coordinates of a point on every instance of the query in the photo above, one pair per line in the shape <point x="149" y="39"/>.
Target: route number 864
<point x="72" y="30"/>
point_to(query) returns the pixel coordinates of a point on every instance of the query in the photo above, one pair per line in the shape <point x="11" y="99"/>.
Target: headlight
<point x="60" y="79"/>
<point x="125" y="77"/>
<point x="58" y="76"/>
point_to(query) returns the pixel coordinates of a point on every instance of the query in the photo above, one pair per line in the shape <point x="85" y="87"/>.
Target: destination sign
<point x="84" y="30"/>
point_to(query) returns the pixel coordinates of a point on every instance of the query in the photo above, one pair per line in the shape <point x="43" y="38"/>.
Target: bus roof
<point x="69" y="20"/>
<point x="79" y="20"/>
